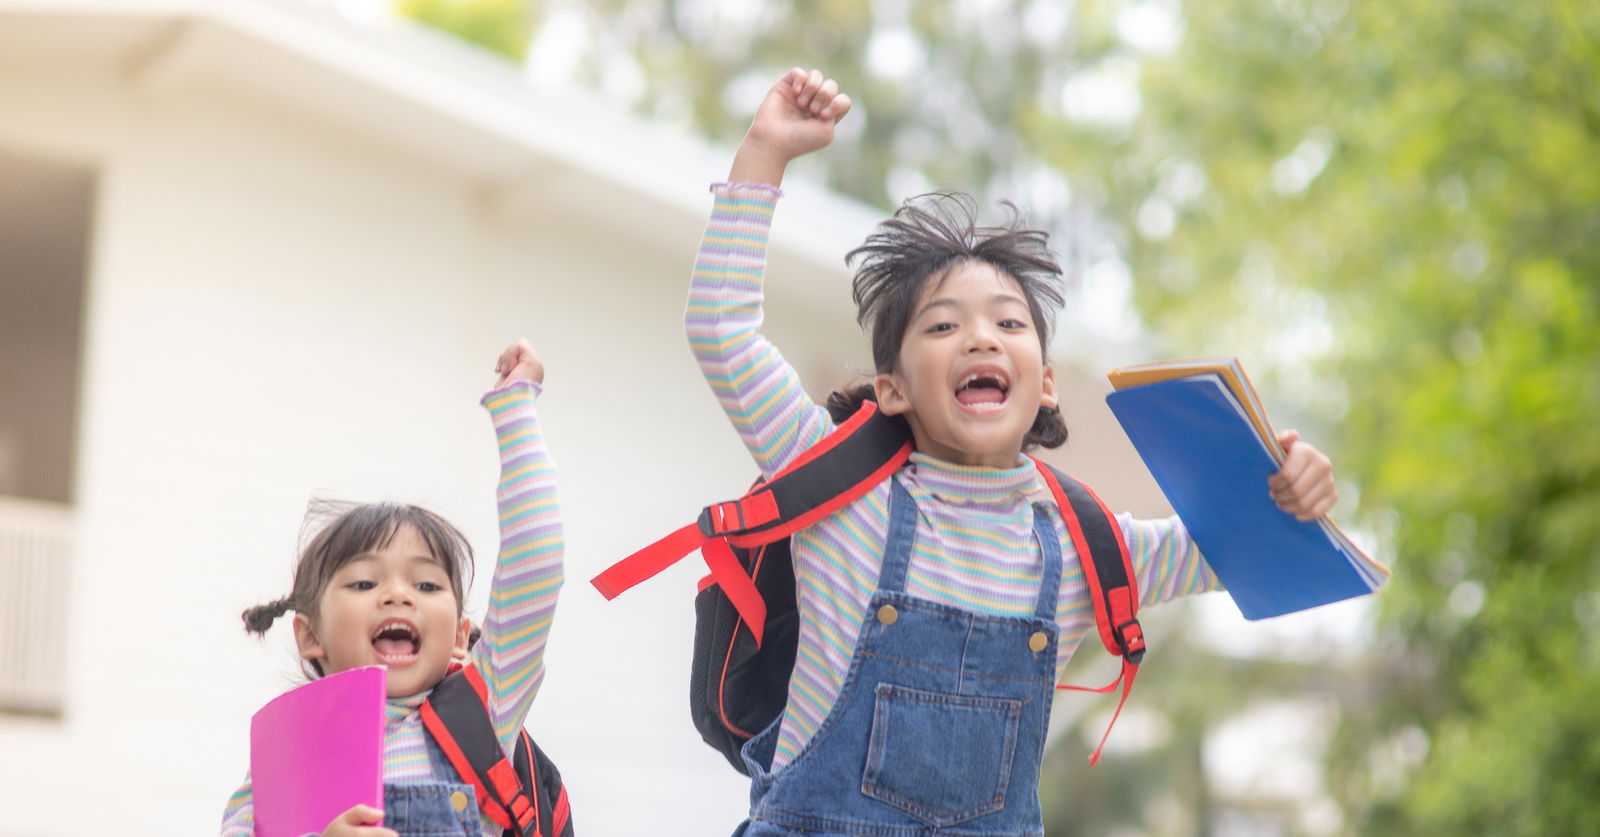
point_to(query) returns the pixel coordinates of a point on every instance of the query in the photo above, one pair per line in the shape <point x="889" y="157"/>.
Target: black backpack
<point x="746" y="619"/>
<point x="524" y="795"/>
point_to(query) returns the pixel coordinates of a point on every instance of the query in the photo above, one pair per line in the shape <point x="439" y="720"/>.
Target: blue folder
<point x="1213" y="466"/>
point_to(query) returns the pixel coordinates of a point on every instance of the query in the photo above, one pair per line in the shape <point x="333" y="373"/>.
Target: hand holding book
<point x="1304" y="485"/>
<point x="1201" y="429"/>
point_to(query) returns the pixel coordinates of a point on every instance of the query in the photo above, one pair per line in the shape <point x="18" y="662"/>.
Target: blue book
<point x="1212" y="452"/>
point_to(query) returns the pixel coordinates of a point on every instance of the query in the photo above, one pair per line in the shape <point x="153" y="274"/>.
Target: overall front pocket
<point x="942" y="758"/>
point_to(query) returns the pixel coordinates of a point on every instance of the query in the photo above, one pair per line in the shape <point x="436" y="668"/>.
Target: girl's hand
<point x="797" y="117"/>
<point x="1304" y="486"/>
<point x="519" y="362"/>
<point x="360" y="821"/>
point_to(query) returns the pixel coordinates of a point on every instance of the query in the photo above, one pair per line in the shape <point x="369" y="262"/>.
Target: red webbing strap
<point x="558" y="819"/>
<point x="738" y="587"/>
<point x="725" y="572"/>
<point x="525" y="750"/>
<point x="475" y="677"/>
<point x="648" y="562"/>
<point x="1129" y="671"/>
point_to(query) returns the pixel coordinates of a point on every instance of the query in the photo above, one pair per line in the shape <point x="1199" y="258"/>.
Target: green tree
<point x="1394" y="207"/>
<point x="500" y="26"/>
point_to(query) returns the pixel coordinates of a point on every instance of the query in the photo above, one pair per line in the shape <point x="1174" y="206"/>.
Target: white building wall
<point x="280" y="309"/>
<point x="277" y="311"/>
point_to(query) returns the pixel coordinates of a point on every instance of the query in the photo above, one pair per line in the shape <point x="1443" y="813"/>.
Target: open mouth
<point x="396" y="642"/>
<point x="983" y="389"/>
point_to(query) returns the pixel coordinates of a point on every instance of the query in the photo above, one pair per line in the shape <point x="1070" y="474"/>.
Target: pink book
<point x="317" y="750"/>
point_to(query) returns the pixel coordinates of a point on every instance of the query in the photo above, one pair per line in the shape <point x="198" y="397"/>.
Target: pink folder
<point x="317" y="750"/>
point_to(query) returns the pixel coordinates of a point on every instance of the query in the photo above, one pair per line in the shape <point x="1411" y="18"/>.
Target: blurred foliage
<point x="945" y="91"/>
<point x="501" y="26"/>
<point x="1391" y="211"/>
<point x="1398" y="202"/>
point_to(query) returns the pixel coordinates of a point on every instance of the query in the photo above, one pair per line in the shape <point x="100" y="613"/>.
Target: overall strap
<point x="902" y="535"/>
<point x="456" y="714"/>
<point x="1050" y="577"/>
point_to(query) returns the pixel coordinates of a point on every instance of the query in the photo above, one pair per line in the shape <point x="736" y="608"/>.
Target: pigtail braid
<point x="258" y="619"/>
<point x="1049" y="430"/>
<point x="844" y="402"/>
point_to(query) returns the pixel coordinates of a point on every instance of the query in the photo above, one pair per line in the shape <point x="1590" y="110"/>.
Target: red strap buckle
<point x="1131" y="634"/>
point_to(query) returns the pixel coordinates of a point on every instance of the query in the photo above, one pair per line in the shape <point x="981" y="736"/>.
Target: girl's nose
<point x="982" y="338"/>
<point x="396" y="593"/>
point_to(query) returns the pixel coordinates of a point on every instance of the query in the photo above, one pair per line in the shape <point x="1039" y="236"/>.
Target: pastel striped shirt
<point x="522" y="599"/>
<point x="974" y="544"/>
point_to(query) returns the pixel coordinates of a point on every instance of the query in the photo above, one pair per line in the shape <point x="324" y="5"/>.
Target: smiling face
<point x="971" y="376"/>
<point x="392" y="605"/>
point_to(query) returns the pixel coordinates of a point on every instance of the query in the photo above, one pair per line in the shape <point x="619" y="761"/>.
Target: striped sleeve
<point x="1165" y="560"/>
<point x="529" y="572"/>
<point x="239" y="818"/>
<point x="757" y="388"/>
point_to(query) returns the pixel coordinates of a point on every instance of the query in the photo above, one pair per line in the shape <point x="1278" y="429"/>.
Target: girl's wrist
<point x="758" y="162"/>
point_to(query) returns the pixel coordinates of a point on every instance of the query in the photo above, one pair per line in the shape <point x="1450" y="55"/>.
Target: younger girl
<point x="936" y="611"/>
<point x="384" y="584"/>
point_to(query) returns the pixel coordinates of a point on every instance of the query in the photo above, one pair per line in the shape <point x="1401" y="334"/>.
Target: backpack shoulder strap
<point x="859" y="454"/>
<point x="540" y="774"/>
<point x="847" y="463"/>
<point x="1107" y="566"/>
<point x="1108" y="573"/>
<point x="457" y="716"/>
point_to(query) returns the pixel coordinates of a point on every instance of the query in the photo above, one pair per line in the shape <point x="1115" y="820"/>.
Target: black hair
<point x="926" y="237"/>
<point x="336" y="532"/>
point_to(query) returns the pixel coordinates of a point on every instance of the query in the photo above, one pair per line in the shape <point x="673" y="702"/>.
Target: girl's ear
<point x="462" y="646"/>
<point x="305" y="638"/>
<point x="891" y="394"/>
<point x="1048" y="397"/>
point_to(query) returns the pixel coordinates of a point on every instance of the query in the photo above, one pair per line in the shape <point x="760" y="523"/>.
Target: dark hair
<point x="336" y="532"/>
<point x="927" y="236"/>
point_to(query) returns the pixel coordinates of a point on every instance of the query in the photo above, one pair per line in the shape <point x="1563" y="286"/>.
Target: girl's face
<point x="391" y="606"/>
<point x="971" y="377"/>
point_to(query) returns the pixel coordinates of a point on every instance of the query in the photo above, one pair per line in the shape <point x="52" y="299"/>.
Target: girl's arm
<point x="756" y="387"/>
<point x="239" y="818"/>
<point x="529" y="572"/>
<point x="1166" y="562"/>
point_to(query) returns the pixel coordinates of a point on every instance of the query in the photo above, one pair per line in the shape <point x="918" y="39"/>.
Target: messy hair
<point x="335" y="532"/>
<point x="927" y="236"/>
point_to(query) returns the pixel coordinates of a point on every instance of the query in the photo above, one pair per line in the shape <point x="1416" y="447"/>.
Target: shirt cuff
<point x="734" y="187"/>
<point x="512" y="386"/>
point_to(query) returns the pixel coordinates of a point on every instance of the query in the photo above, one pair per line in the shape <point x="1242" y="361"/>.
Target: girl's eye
<point x="361" y="585"/>
<point x="1013" y="324"/>
<point x="429" y="586"/>
<point x="940" y="327"/>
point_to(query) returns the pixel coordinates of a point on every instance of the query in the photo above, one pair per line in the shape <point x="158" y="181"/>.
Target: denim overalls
<point x="432" y="809"/>
<point x="940" y="724"/>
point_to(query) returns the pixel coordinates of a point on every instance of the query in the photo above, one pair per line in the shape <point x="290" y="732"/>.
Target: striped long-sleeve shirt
<point x="974" y="544"/>
<point x="522" y="600"/>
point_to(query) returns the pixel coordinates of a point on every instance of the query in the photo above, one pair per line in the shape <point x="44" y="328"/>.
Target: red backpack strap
<point x="847" y="463"/>
<point x="1108" y="573"/>
<point x="457" y="716"/>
